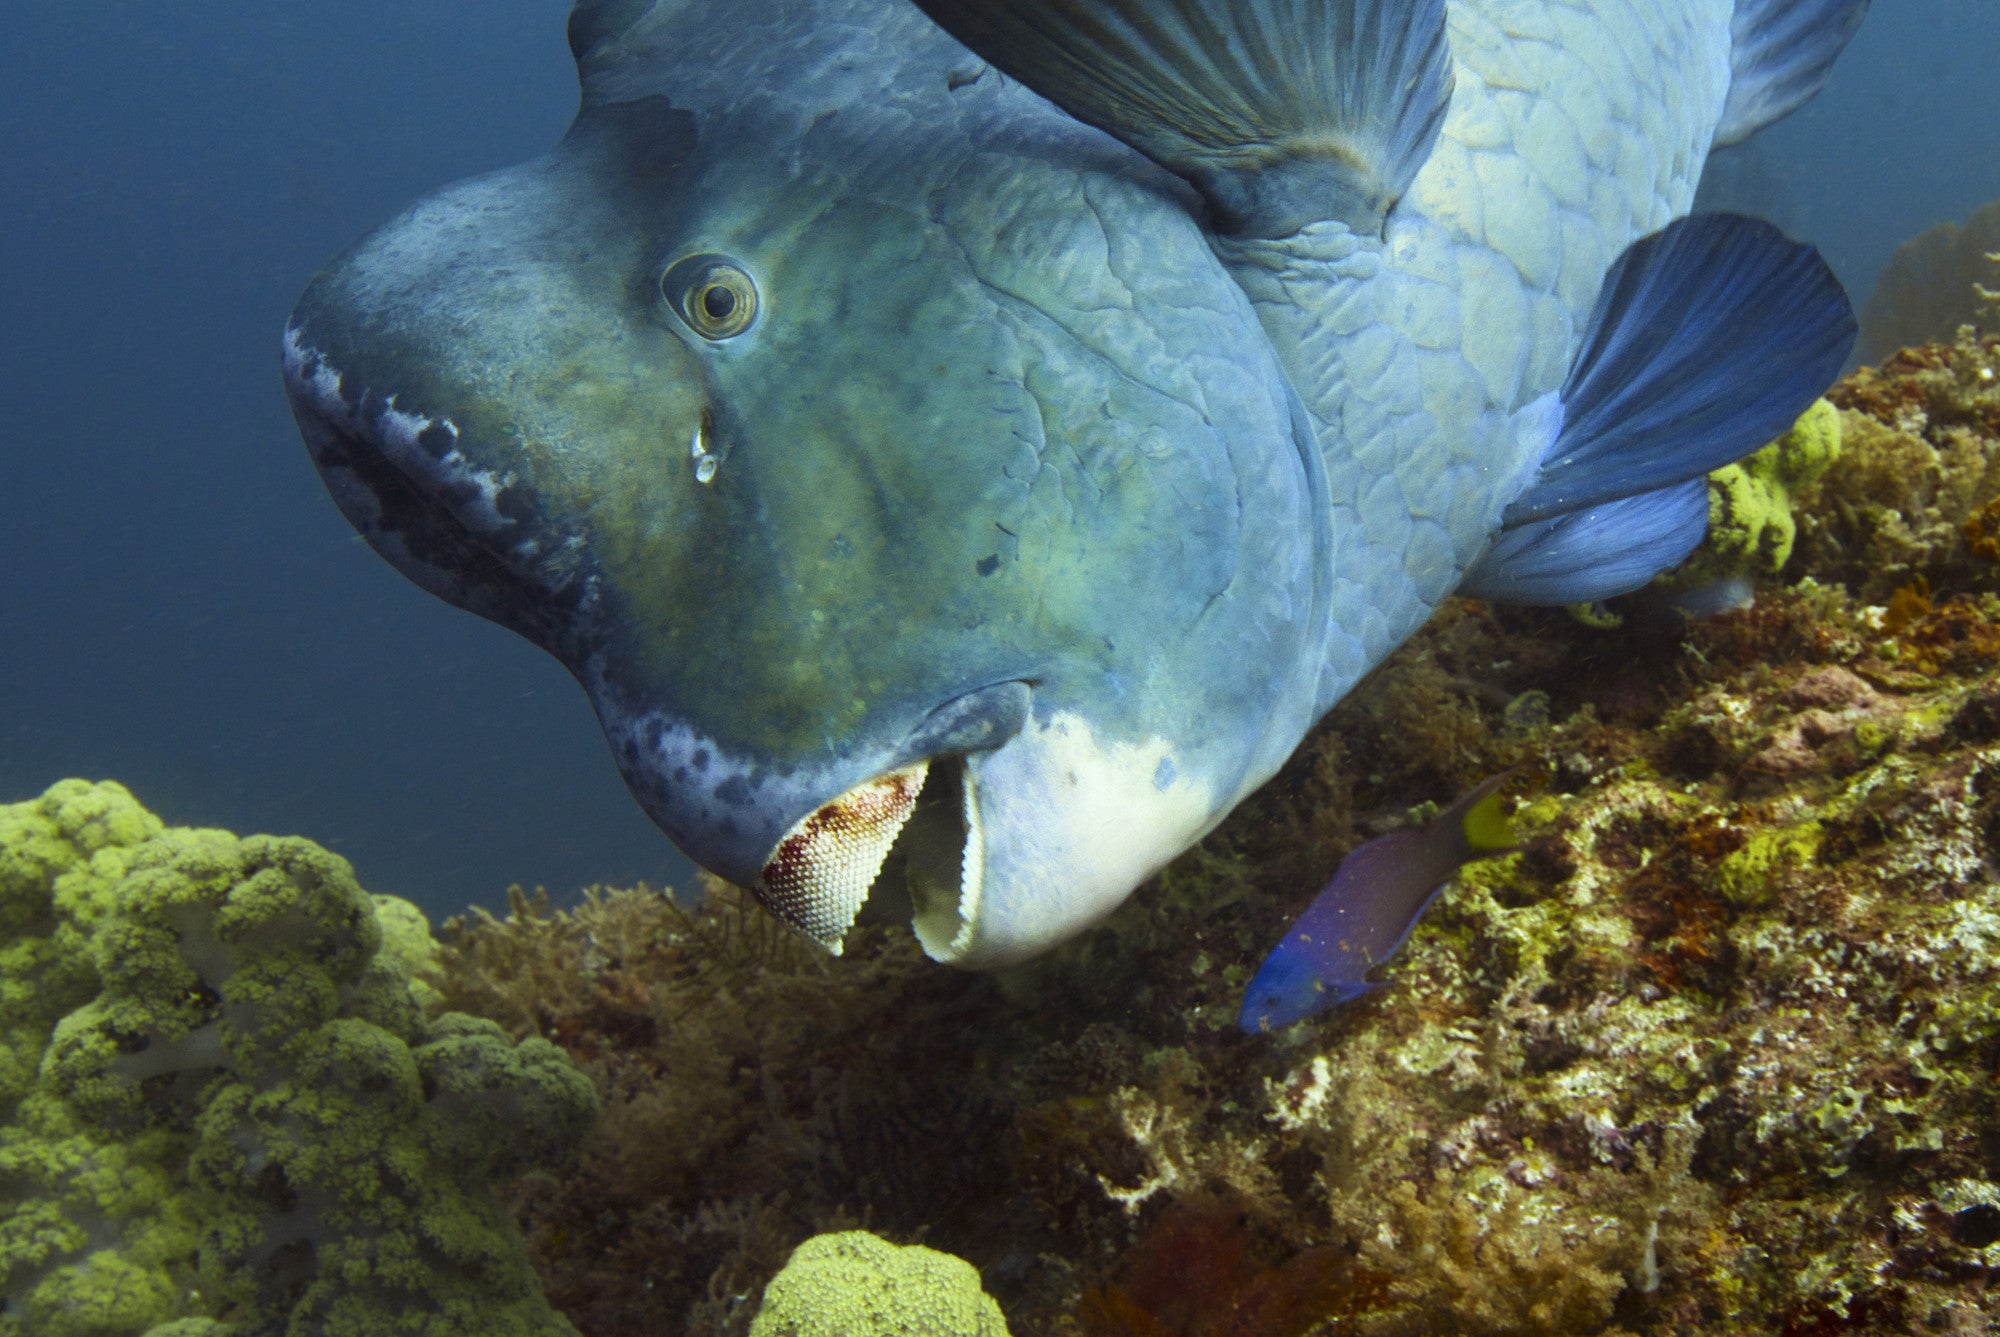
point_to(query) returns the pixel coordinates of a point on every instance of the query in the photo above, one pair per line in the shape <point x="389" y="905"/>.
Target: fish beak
<point x="994" y="855"/>
<point x="911" y="833"/>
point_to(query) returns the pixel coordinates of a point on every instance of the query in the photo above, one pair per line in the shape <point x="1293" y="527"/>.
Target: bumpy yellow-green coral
<point x="854" y="1284"/>
<point x="1750" y="524"/>
<point x="59" y="859"/>
<point x="227" y="1100"/>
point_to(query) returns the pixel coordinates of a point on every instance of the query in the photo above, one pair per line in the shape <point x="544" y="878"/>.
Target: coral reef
<point x="1712" y="1055"/>
<point x="1933" y="285"/>
<point x="228" y="1106"/>
<point x="854" y="1284"/>
<point x="1913" y="497"/>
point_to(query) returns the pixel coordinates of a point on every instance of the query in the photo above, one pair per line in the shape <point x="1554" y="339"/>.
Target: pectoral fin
<point x="1281" y="112"/>
<point x="1709" y="338"/>
<point x="1594" y="553"/>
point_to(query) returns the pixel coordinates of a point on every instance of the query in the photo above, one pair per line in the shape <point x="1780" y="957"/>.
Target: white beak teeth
<point x="818" y="878"/>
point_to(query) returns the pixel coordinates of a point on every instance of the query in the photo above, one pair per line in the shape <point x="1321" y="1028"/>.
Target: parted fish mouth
<point x="906" y="841"/>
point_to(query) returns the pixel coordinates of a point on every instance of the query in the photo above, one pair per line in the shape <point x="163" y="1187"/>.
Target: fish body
<point x="963" y="497"/>
<point x="1363" y="916"/>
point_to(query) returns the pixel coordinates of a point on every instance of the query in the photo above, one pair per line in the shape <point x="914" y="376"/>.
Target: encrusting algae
<point x="1713" y="1054"/>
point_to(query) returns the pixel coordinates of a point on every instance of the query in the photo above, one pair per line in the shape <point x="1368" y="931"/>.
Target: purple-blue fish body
<point x="1364" y="915"/>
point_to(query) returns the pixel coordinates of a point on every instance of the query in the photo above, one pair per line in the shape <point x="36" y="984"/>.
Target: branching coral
<point x="244" y="1111"/>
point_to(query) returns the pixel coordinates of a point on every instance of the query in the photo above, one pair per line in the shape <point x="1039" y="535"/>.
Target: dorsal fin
<point x="1281" y="112"/>
<point x="1780" y="53"/>
<point x="595" y="27"/>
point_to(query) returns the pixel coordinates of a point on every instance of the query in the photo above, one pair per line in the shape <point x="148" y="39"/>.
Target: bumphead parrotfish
<point x="960" y="447"/>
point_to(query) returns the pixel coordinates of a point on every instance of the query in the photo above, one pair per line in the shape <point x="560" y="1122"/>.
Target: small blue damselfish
<point x="1364" y="915"/>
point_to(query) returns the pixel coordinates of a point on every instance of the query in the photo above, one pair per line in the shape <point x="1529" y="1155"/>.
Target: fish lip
<point x="407" y="484"/>
<point x="914" y="826"/>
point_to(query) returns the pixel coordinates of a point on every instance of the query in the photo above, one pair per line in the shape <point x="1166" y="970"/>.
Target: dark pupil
<point x="718" y="302"/>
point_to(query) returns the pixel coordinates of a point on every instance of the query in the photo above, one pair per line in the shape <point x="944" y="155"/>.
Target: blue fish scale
<point x="1574" y="129"/>
<point x="998" y="209"/>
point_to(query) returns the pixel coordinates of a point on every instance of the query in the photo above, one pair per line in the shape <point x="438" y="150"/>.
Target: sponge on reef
<point x="227" y="1106"/>
<point x="854" y="1284"/>
<point x="1751" y="528"/>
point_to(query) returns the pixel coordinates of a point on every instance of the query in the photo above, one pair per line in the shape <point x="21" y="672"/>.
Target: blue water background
<point x="182" y="609"/>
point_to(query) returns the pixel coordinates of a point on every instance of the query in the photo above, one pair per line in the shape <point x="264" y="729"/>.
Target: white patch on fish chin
<point x="1061" y="827"/>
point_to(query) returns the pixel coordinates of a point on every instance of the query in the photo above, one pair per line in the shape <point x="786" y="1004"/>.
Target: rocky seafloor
<point x="1718" y="1052"/>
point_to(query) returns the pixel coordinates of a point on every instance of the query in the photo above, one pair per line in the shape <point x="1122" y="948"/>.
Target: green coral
<point x="59" y="859"/>
<point x="229" y="1107"/>
<point x="1751" y="526"/>
<point x="854" y="1284"/>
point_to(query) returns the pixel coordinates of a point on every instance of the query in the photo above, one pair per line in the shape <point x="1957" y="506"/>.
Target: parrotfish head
<point x="879" y="580"/>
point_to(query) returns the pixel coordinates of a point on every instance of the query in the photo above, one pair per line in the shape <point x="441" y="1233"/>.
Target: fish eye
<point x="711" y="294"/>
